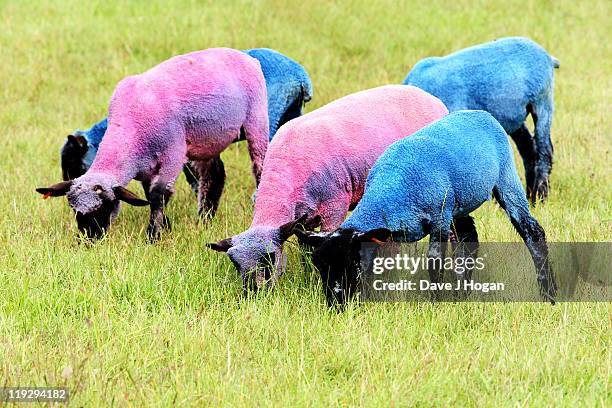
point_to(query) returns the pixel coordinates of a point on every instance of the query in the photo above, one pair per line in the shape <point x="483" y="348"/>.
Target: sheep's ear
<point x="286" y="230"/>
<point x="379" y="236"/>
<point x="221" y="246"/>
<point x="313" y="239"/>
<point x="56" y="190"/>
<point x="79" y="141"/>
<point x="123" y="194"/>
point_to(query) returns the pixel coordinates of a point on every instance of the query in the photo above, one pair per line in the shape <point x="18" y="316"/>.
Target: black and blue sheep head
<point x="337" y="256"/>
<point x="74" y="156"/>
<point x="95" y="201"/>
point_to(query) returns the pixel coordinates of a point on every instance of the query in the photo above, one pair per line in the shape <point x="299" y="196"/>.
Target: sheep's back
<point x="285" y="79"/>
<point x="501" y="77"/>
<point x="281" y="70"/>
<point x="165" y="90"/>
<point x="195" y="96"/>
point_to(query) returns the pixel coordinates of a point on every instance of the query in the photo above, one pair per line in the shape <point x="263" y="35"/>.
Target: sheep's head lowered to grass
<point x="337" y="256"/>
<point x="257" y="252"/>
<point x="95" y="201"/>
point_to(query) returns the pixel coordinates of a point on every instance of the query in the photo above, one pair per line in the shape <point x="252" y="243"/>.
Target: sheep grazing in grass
<point x="192" y="107"/>
<point x="509" y="78"/>
<point x="424" y="185"/>
<point x="315" y="171"/>
<point x="288" y="87"/>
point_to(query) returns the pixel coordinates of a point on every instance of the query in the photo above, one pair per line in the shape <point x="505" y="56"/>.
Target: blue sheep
<point x="509" y="78"/>
<point x="288" y="87"/>
<point x="428" y="184"/>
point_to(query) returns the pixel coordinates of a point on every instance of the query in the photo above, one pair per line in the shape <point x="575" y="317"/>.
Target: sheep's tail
<point x="306" y="93"/>
<point x="555" y="62"/>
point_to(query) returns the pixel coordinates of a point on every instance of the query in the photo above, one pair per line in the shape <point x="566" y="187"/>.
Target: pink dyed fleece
<point x="318" y="163"/>
<point x="190" y="106"/>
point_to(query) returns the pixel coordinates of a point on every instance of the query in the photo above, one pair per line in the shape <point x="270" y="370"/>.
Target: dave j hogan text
<point x="427" y="286"/>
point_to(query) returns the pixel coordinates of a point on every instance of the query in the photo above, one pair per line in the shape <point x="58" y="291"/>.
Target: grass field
<point x="131" y="324"/>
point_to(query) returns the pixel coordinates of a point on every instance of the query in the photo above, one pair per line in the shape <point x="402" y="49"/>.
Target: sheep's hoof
<point x="154" y="231"/>
<point x="540" y="192"/>
<point x="548" y="287"/>
<point x="206" y="215"/>
<point x="153" y="234"/>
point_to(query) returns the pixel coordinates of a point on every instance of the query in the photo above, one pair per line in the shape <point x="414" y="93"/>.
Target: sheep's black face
<point x="337" y="256"/>
<point x="73" y="157"/>
<point x="338" y="260"/>
<point x="96" y="223"/>
<point x="94" y="205"/>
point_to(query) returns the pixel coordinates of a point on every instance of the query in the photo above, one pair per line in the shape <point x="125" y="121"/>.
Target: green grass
<point x="131" y="324"/>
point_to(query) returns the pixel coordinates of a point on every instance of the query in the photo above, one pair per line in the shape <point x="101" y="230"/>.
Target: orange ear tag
<point x="47" y="195"/>
<point x="377" y="241"/>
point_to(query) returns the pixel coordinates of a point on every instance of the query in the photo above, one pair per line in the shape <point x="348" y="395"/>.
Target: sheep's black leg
<point x="159" y="195"/>
<point x="217" y="174"/>
<point x="465" y="232"/>
<point x="534" y="237"/>
<point x="542" y="118"/>
<point x="438" y="241"/>
<point x="162" y="187"/>
<point x="191" y="175"/>
<point x="212" y="180"/>
<point x="526" y="147"/>
<point x="146" y="187"/>
<point x="152" y="232"/>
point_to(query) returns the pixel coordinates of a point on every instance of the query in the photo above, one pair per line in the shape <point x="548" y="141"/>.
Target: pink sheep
<point x="190" y="107"/>
<point x="316" y="167"/>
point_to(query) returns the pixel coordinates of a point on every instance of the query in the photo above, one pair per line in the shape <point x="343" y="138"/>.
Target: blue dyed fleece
<point x="93" y="136"/>
<point x="287" y="84"/>
<point x="444" y="170"/>
<point x="501" y="77"/>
